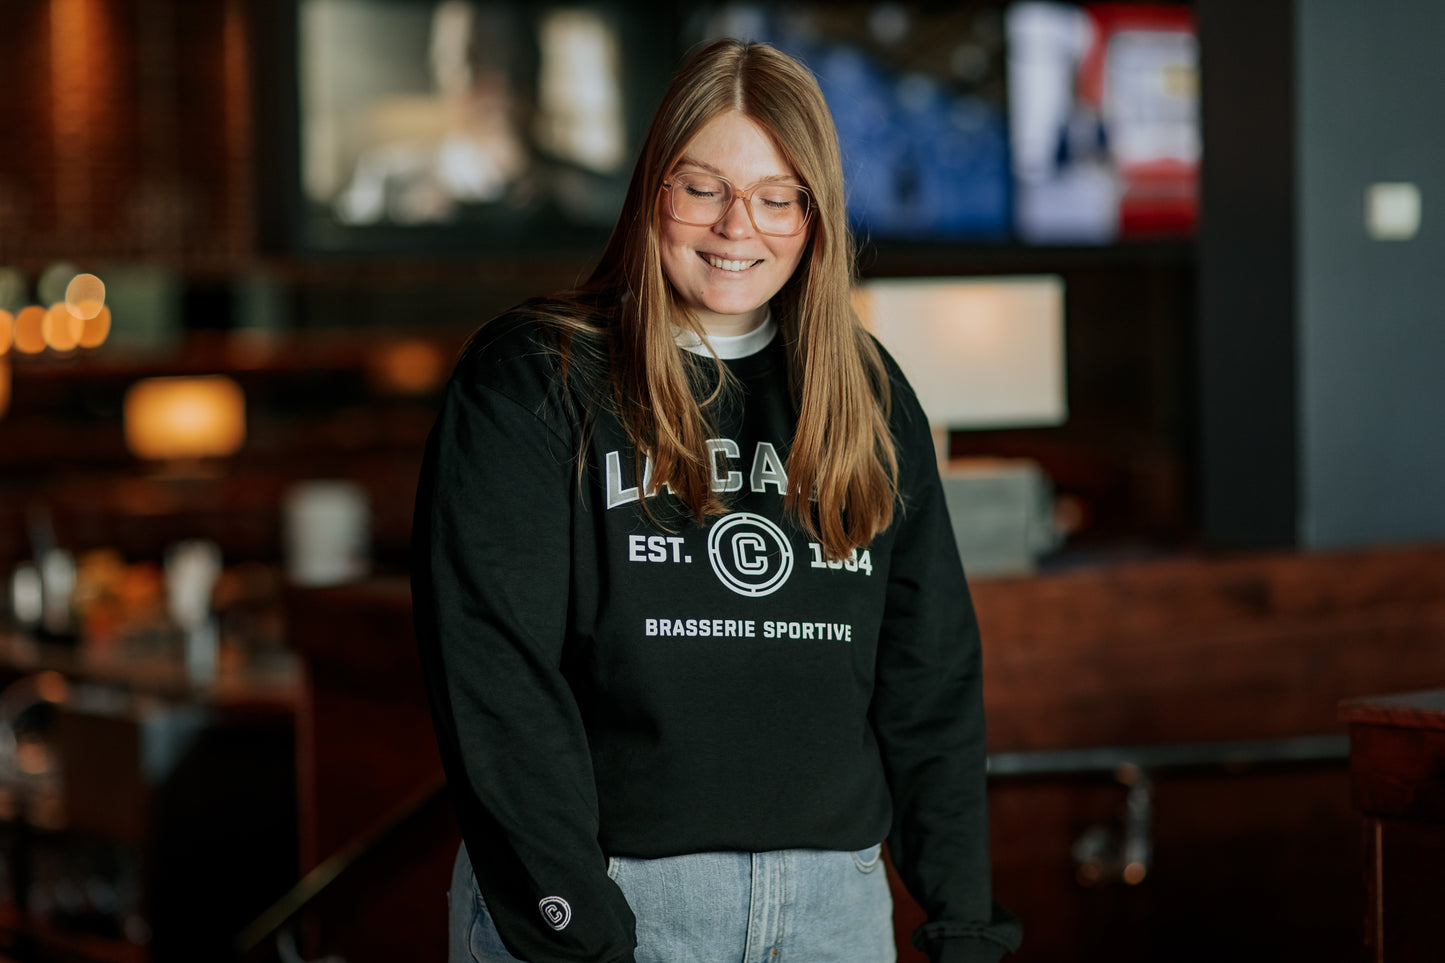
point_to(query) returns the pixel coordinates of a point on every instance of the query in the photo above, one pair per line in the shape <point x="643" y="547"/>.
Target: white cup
<point x="327" y="532"/>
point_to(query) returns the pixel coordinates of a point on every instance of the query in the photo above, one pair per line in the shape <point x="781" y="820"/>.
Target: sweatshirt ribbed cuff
<point x="964" y="950"/>
<point x="970" y="941"/>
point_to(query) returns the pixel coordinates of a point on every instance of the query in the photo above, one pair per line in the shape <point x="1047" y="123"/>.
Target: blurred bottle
<point x="328" y="532"/>
<point x="191" y="570"/>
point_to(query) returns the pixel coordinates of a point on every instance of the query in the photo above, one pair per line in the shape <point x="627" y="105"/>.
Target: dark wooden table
<point x="1397" y="776"/>
<point x="163" y="780"/>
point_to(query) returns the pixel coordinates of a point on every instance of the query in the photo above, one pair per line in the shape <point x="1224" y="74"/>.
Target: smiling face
<point x="727" y="273"/>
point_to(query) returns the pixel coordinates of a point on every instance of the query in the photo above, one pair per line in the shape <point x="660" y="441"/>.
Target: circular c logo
<point x="750" y="554"/>
<point x="555" y="911"/>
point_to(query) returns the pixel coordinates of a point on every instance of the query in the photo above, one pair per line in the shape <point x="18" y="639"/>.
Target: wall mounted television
<point x="475" y="126"/>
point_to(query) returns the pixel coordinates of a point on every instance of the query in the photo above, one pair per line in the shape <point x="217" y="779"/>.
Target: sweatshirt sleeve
<point x="490" y="576"/>
<point x="928" y="716"/>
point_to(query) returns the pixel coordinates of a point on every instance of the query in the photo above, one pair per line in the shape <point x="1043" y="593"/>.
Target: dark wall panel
<point x="1246" y="344"/>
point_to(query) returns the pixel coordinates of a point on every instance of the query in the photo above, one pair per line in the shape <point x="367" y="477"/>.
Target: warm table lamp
<point x="981" y="353"/>
<point x="182" y="419"/>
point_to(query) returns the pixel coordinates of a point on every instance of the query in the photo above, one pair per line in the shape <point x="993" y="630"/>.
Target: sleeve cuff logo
<point x="556" y="912"/>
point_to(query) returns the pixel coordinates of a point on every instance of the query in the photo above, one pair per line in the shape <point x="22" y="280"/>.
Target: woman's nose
<point x="735" y="221"/>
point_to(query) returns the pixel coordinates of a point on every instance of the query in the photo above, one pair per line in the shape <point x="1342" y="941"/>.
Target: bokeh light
<point x="7" y="331"/>
<point x="12" y="289"/>
<point x="96" y="329"/>
<point x="411" y="367"/>
<point x="185" y="417"/>
<point x="29" y="336"/>
<point x="51" y="686"/>
<point x="85" y="296"/>
<point x="53" y="282"/>
<point x="61" y="329"/>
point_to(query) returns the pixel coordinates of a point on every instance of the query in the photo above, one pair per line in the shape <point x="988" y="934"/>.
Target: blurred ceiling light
<point x="29" y="336"/>
<point x="7" y="331"/>
<point x="60" y="328"/>
<point x="96" y="329"/>
<point x="185" y="417"/>
<point x="85" y="296"/>
<point x="408" y="368"/>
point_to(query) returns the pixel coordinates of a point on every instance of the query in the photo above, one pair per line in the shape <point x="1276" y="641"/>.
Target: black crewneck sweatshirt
<point x="605" y="683"/>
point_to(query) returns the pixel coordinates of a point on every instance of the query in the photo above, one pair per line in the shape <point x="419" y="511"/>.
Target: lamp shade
<point x="980" y="353"/>
<point x="185" y="417"/>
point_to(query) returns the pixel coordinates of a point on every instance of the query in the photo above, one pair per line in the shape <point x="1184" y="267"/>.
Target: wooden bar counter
<point x="1160" y="662"/>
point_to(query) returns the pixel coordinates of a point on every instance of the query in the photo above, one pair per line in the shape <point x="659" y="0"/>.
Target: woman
<point x="695" y="631"/>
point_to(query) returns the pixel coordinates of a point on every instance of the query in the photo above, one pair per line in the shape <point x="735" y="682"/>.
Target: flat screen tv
<point x="1104" y="121"/>
<point x="917" y="93"/>
<point x="451" y="124"/>
<point x="511" y="127"/>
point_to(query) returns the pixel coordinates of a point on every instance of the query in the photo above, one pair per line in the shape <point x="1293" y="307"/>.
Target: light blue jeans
<point x="801" y="905"/>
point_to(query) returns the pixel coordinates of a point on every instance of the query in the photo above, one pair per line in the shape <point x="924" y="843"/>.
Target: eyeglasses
<point x="703" y="200"/>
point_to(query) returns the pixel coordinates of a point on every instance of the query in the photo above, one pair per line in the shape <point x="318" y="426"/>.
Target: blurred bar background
<point x="242" y="242"/>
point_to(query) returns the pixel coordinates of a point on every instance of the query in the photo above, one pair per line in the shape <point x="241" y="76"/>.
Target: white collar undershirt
<point x="729" y="347"/>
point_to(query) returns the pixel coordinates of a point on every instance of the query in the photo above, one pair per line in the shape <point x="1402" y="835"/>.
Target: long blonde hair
<point x="842" y="465"/>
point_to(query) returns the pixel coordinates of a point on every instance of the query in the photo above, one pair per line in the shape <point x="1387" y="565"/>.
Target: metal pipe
<point x="1230" y="756"/>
